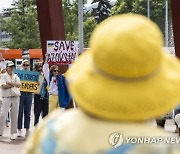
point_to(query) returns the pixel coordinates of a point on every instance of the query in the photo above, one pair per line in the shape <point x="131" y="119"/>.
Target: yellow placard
<point x="28" y="86"/>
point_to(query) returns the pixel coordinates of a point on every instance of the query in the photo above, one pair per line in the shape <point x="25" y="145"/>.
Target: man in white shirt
<point x="9" y="80"/>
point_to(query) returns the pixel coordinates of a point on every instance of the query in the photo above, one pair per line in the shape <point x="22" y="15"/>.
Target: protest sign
<point x="28" y="79"/>
<point x="62" y="52"/>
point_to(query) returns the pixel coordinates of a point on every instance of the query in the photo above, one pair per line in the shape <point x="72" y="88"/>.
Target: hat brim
<point x="10" y="65"/>
<point x="125" y="100"/>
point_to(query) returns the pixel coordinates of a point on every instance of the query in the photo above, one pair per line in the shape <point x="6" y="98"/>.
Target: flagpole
<point x="166" y="23"/>
<point x="80" y="26"/>
<point x="148" y="8"/>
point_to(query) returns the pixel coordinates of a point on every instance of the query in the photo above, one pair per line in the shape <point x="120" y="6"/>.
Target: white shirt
<point x="7" y="78"/>
<point x="53" y="88"/>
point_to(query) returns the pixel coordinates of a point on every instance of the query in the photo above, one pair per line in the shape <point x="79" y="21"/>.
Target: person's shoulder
<point x="57" y="115"/>
<point x="58" y="121"/>
<point x="4" y="74"/>
<point x="48" y="130"/>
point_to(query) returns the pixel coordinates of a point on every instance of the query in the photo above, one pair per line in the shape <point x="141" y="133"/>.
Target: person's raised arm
<point x="46" y="69"/>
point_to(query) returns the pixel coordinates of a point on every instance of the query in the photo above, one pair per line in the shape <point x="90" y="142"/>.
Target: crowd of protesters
<point x="16" y="109"/>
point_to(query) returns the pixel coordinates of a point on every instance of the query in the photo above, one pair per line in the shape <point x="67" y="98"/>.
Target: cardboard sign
<point x="28" y="79"/>
<point x="62" y="52"/>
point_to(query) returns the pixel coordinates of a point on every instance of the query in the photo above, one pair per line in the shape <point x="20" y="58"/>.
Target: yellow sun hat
<point x="126" y="75"/>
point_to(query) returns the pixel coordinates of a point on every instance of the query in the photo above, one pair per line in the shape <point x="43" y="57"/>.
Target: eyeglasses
<point x="56" y="71"/>
<point x="26" y="65"/>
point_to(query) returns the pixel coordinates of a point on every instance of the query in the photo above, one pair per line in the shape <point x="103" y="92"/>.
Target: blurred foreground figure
<point x="123" y="81"/>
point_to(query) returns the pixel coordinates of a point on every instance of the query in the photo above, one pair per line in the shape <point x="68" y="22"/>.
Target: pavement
<point x="8" y="146"/>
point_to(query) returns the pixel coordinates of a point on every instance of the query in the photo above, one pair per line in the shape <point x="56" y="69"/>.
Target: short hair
<point x="52" y="68"/>
<point x="37" y="66"/>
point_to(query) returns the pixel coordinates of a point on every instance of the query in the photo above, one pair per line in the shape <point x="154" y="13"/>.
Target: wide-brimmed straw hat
<point x="126" y="75"/>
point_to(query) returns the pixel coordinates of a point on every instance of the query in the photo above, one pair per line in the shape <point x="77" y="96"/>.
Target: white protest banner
<point x="62" y="52"/>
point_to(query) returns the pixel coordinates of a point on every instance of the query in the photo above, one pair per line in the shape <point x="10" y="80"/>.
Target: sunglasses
<point x="25" y="65"/>
<point x="56" y="71"/>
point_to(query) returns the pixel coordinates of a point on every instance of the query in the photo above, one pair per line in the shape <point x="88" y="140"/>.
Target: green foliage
<point x="157" y="9"/>
<point x="122" y="6"/>
<point x="70" y="10"/>
<point x="89" y="26"/>
<point x="21" y="19"/>
<point x="21" y="22"/>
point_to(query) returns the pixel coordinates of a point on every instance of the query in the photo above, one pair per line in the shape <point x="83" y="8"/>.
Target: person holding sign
<point x="40" y="97"/>
<point x="58" y="93"/>
<point x="10" y="99"/>
<point x="25" y="105"/>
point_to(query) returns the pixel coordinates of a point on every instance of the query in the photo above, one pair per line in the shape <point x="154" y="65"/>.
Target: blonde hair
<point x="25" y="60"/>
<point x="52" y="68"/>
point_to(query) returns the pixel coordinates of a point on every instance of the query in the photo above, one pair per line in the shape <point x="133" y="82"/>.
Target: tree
<point x="157" y="7"/>
<point x="70" y="10"/>
<point x="21" y="23"/>
<point x="102" y="11"/>
<point x="89" y="26"/>
<point x="122" y="6"/>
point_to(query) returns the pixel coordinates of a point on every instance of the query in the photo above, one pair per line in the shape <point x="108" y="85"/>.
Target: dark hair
<point x="37" y="66"/>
